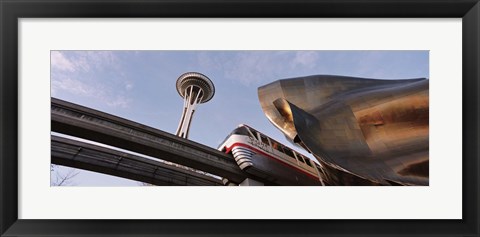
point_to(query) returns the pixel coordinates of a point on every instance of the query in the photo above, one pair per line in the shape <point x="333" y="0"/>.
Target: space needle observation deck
<point x="195" y="88"/>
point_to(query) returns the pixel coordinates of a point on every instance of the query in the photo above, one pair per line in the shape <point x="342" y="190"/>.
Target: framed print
<point x="113" y="47"/>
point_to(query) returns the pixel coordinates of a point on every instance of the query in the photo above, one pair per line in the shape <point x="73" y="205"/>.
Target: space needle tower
<point x="195" y="88"/>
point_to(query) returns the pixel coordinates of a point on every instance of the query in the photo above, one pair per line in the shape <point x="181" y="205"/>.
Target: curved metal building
<point x="363" y="131"/>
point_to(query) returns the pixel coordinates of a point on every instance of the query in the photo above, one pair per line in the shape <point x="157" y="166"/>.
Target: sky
<point x="140" y="86"/>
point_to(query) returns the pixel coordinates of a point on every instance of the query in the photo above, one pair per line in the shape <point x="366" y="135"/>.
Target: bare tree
<point x="144" y="184"/>
<point x="62" y="177"/>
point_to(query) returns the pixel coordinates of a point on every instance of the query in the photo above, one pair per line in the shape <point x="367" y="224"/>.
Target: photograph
<point x="126" y="118"/>
<point x="239" y="118"/>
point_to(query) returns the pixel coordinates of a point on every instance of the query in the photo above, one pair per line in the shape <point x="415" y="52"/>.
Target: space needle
<point x="195" y="88"/>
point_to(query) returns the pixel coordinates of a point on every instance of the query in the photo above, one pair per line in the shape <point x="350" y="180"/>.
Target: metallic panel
<point x="373" y="130"/>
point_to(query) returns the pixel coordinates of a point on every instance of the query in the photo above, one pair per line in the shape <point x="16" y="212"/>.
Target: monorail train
<point x="263" y="157"/>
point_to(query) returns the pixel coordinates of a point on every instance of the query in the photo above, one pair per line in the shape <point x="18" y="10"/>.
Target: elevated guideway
<point x="87" y="156"/>
<point x="82" y="122"/>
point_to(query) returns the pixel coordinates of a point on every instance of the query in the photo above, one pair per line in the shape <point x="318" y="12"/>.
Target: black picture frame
<point x="11" y="11"/>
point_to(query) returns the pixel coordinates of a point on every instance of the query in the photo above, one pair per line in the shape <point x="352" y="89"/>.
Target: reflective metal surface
<point x="364" y="131"/>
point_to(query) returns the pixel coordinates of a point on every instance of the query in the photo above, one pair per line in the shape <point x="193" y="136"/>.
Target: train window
<point x="264" y="139"/>
<point x="276" y="145"/>
<point x="308" y="162"/>
<point x="254" y="132"/>
<point x="300" y="158"/>
<point x="288" y="151"/>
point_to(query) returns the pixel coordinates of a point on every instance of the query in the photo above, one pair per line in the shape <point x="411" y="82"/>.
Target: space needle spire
<point x="195" y="88"/>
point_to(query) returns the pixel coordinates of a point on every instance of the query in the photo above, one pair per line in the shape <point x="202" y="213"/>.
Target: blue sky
<point x="140" y="86"/>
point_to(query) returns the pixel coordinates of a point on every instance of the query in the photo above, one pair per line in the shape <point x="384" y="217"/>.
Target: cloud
<point x="118" y="101"/>
<point x="128" y="85"/>
<point x="98" y="92"/>
<point x="61" y="63"/>
<point x="307" y="59"/>
<point x="90" y="74"/>
<point x="258" y="67"/>
<point x="250" y="68"/>
<point x="73" y="86"/>
<point x="83" y="61"/>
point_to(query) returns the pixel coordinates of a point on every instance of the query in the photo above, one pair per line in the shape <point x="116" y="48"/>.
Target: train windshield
<point x="238" y="131"/>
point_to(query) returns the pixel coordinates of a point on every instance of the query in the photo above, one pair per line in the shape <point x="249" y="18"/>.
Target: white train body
<point x="270" y="160"/>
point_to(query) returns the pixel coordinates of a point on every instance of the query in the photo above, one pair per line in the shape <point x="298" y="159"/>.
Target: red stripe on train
<point x="269" y="156"/>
